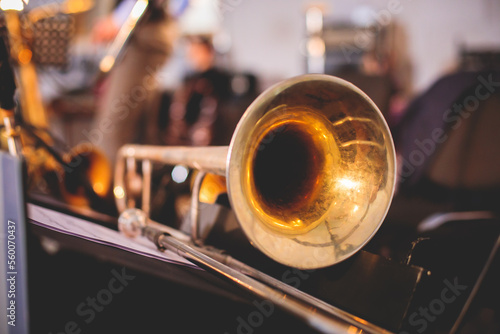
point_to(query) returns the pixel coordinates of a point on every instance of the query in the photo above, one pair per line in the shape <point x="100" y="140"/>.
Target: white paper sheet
<point x="70" y="225"/>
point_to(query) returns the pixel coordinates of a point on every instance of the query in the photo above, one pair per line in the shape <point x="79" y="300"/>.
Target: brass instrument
<point x="310" y="173"/>
<point x="79" y="176"/>
<point x="310" y="170"/>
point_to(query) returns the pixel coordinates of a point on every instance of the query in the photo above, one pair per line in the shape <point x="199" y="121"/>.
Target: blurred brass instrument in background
<point x="78" y="177"/>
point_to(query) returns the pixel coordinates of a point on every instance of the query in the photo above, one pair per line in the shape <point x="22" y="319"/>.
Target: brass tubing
<point x="316" y="313"/>
<point x="207" y="159"/>
<point x="313" y="317"/>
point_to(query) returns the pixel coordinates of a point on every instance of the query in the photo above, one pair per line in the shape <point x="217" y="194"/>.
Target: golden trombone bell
<point x="310" y="170"/>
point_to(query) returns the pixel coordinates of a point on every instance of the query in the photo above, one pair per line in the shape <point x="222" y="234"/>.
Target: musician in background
<point x="127" y="92"/>
<point x="196" y="104"/>
<point x="203" y="110"/>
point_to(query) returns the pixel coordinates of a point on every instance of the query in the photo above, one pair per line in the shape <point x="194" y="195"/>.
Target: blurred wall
<point x="268" y="36"/>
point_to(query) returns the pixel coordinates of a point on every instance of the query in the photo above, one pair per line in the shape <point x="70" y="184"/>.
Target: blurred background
<point x="415" y="59"/>
<point x="412" y="43"/>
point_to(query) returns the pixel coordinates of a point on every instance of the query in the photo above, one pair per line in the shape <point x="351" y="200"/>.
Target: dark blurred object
<point x="448" y="156"/>
<point x="366" y="285"/>
<point x="8" y="83"/>
<point x="205" y="109"/>
<point x="448" y="143"/>
<point x="366" y="68"/>
<point x="461" y="294"/>
<point x="214" y="112"/>
<point x="380" y="65"/>
<point x="449" y="161"/>
<point x="479" y="60"/>
<point x="63" y="277"/>
<point x="243" y="91"/>
<point x="194" y="108"/>
<point x="380" y="88"/>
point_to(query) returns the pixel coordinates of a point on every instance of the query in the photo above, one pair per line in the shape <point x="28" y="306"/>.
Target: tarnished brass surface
<point x="310" y="170"/>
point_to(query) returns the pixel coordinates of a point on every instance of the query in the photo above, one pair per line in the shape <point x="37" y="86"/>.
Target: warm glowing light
<point x="77" y="6"/>
<point x="119" y="192"/>
<point x="354" y="330"/>
<point x="98" y="187"/>
<point x="24" y="56"/>
<point x="356" y="208"/>
<point x="314" y="20"/>
<point x="316" y="47"/>
<point x="107" y="63"/>
<point x="348" y="183"/>
<point x="12" y="5"/>
<point x="138" y="9"/>
<point x="179" y="174"/>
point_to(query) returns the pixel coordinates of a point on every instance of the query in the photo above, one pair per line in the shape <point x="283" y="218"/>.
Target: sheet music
<point x="70" y="225"/>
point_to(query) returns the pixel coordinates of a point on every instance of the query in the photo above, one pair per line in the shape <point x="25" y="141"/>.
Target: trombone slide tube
<point x="300" y="295"/>
<point x="206" y="159"/>
<point x="311" y="315"/>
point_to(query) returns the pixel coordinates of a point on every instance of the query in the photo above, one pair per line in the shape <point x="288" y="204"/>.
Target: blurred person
<point x="203" y="110"/>
<point x="197" y="103"/>
<point x="127" y="92"/>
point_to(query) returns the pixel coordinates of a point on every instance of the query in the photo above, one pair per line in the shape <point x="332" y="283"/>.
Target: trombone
<point x="310" y="174"/>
